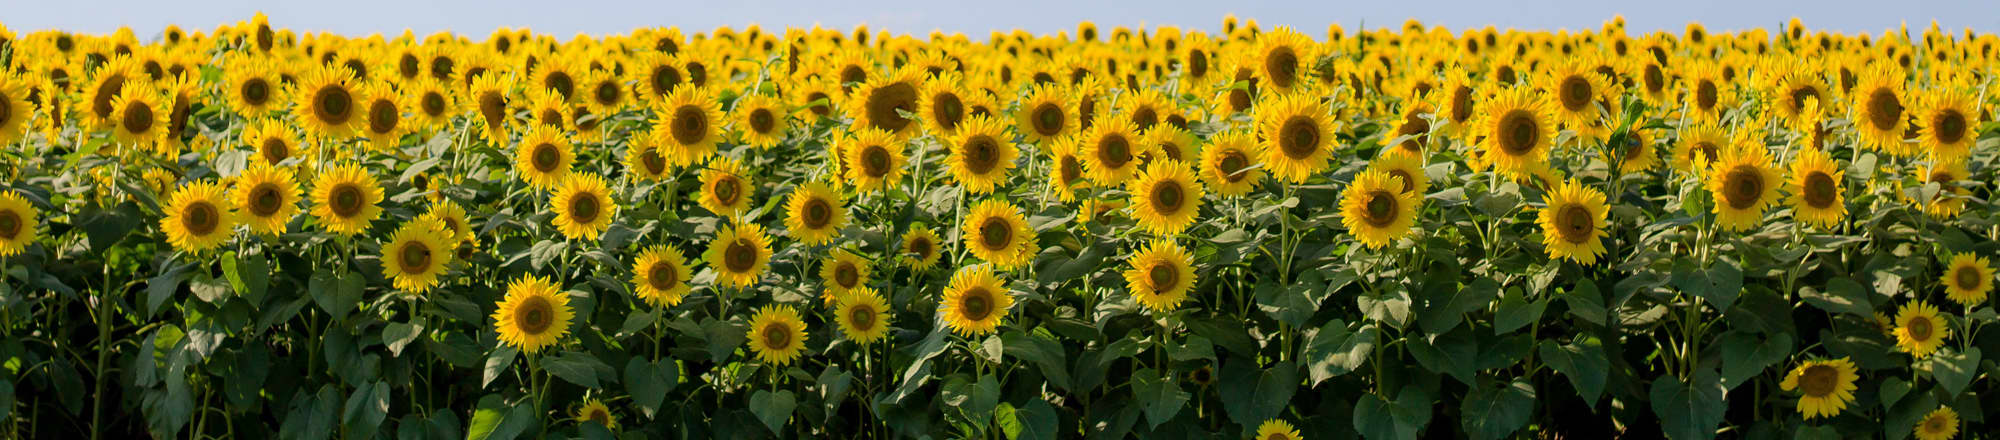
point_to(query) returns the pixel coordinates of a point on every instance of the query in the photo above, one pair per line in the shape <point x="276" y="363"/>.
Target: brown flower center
<point x="1519" y="132"/>
<point x="1167" y="197"/>
<point x="1145" y="117"/>
<point x="920" y="246"/>
<point x="1706" y="95"/>
<point x="1232" y="164"/>
<point x="1299" y="137"/>
<point x="200" y="218"/>
<point x="561" y="82"/>
<point x="816" y="214"/>
<point x="996" y="233"/>
<point x="1965" y="278"/>
<point x="608" y="93"/>
<point x="886" y="104"/>
<point x="255" y="91"/>
<point x="1950" y="126"/>
<point x="382" y="116"/>
<point x="981" y="153"/>
<point x="662" y="276"/>
<point x="777" y="336"/>
<point x="664" y="78"/>
<point x="846" y="275"/>
<point x="1575" y="224"/>
<point x="110" y="87"/>
<point x="1164" y="277"/>
<point x="1048" y="119"/>
<point x="861" y="317"/>
<point x="1884" y="109"/>
<point x="947" y="110"/>
<point x="1919" y="328"/>
<point x="545" y="157"/>
<point x="1415" y="127"/>
<point x="1283" y="65"/>
<point x="265" y="199"/>
<point x="1742" y="187"/>
<point x="740" y="256"/>
<point x="534" y="315"/>
<point x="690" y="125"/>
<point x="875" y="161"/>
<point x="1820" y="190"/>
<point x="726" y="190"/>
<point x="10" y="224"/>
<point x="651" y="159"/>
<point x="976" y="305"/>
<point x="345" y="200"/>
<point x="1114" y="151"/>
<point x="335" y="104"/>
<point x="1576" y="92"/>
<point x="1380" y="210"/>
<point x="493" y="109"/>
<point x="585" y="207"/>
<point x="415" y="257"/>
<point x="762" y="122"/>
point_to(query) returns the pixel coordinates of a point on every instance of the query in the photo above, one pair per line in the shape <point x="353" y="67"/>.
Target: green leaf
<point x="1334" y="350"/>
<point x="494" y="419"/>
<point x="1038" y="420"/>
<point x="1892" y="391"/>
<point x="250" y="275"/>
<point x="1453" y="353"/>
<point x="1495" y="411"/>
<point x="1008" y="419"/>
<point x="336" y="294"/>
<point x="162" y="287"/>
<point x="1903" y="418"/>
<point x="1817" y="433"/>
<point x="1586" y="303"/>
<point x="1252" y="396"/>
<point x="1719" y="284"/>
<point x="399" y="335"/>
<point x="1380" y="419"/>
<point x="1842" y="295"/>
<point x="497" y="363"/>
<point x="1389" y="305"/>
<point x="1046" y="355"/>
<point x="578" y="368"/>
<point x="366" y="409"/>
<point x="773" y="408"/>
<point x="919" y="370"/>
<point x="1443" y="310"/>
<point x="1160" y="393"/>
<point x="1516" y="312"/>
<point x="1295" y="303"/>
<point x="1689" y="410"/>
<point x="1582" y="361"/>
<point x="1954" y="370"/>
<point x="1746" y="354"/>
<point x="649" y="382"/>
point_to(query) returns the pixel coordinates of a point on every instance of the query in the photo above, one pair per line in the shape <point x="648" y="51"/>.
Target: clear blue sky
<point x="975" y="19"/>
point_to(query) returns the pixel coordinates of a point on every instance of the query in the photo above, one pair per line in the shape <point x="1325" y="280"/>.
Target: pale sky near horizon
<point x="977" y="19"/>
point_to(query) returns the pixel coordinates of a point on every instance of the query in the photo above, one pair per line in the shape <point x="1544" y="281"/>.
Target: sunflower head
<point x="844" y="272"/>
<point x="725" y="189"/>
<point x="760" y="121"/>
<point x="660" y="275"/>
<point x="1110" y="152"/>
<point x="815" y="212"/>
<point x="1920" y="330"/>
<point x="198" y="219"/>
<point x="920" y="248"/>
<point x="583" y="206"/>
<point x="863" y="315"/>
<point x="1166" y="197"/>
<point x="882" y="102"/>
<point x="1968" y="278"/>
<point x="1283" y="57"/>
<point x="738" y="254"/>
<point x="975" y="301"/>
<point x="535" y="314"/>
<point x="1045" y="114"/>
<point x="1825" y="386"/>
<point x="267" y="198"/>
<point x="18" y="223"/>
<point x="416" y="254"/>
<point x="688" y="125"/>
<point x="344" y="199"/>
<point x="1518" y="129"/>
<point x="1229" y="164"/>
<point x="872" y="160"/>
<point x="594" y="411"/>
<point x="1815" y="184"/>
<point x="1949" y="125"/>
<point x="1377" y="210"/>
<point x="777" y="335"/>
<point x="1275" y="429"/>
<point x="327" y="103"/>
<point x="1743" y="183"/>
<point x="996" y="231"/>
<point x="981" y="154"/>
<point x="1940" y="424"/>
<point x="1573" y="222"/>
<point x="1298" y="136"/>
<point x="1161" y="276"/>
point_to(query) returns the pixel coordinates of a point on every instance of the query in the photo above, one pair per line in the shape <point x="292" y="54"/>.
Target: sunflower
<point x="1707" y="94"/>
<point x="141" y="118"/>
<point x="1825" y="386"/>
<point x="1229" y="164"/>
<point x="1700" y="145"/>
<point x="1298" y="136"/>
<point x="1110" y="152"/>
<point x="660" y="275"/>
<point x="557" y="71"/>
<point x="15" y="109"/>
<point x="881" y="102"/>
<point x="725" y="190"/>
<point x="1282" y="58"/>
<point x="975" y="301"/>
<point x="534" y="314"/>
<point x="777" y="335"/>
<point x="1166" y="198"/>
<point x="18" y="222"/>
<point x="456" y="227"/>
<point x="842" y="273"/>
<point x="382" y="111"/>
<point x="1406" y="166"/>
<point x="103" y="90"/>
<point x="1949" y="125"/>
<point x="1067" y="169"/>
<point x="739" y="254"/>
<point x="1919" y="329"/>
<point x="1640" y="155"/>
<point x="197" y="217"/>
<point x="547" y="108"/>
<point x="1415" y="129"/>
<point x="1951" y="197"/>
<point x="816" y="99"/>
<point x="996" y="232"/>
<point x="687" y="125"/>
<point x="761" y="121"/>
<point x="604" y="93"/>
<point x="1744" y="183"/>
<point x="1940" y="424"/>
<point x="644" y="161"/>
<point x="655" y="76"/>
<point x="267" y="198"/>
<point x="1161" y="275"/>
<point x="1795" y="94"/>
<point x="874" y="161"/>
<point x="919" y="248"/>
<point x="1968" y="278"/>
<point x="943" y="106"/>
<point x="1275" y="429"/>
<point x="594" y="411"/>
<point x="1577" y="89"/>
<point x="417" y="254"/>
<point x="815" y="212"/>
<point x="1376" y="209"/>
<point x="273" y="140"/>
<point x="1166" y="142"/>
<point x="583" y="206"/>
<point x="981" y="154"/>
<point x="434" y="106"/>
<point x="1881" y="111"/>
<point x="488" y="97"/>
<point x="344" y="198"/>
<point x="326" y="102"/>
<point x="1045" y="115"/>
<point x="1815" y="187"/>
<point x="544" y="157"/>
<point x="863" y="316"/>
<point x="251" y="85"/>
<point x="1573" y="222"/>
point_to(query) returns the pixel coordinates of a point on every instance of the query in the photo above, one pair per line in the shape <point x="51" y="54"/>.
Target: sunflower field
<point x="1388" y="233"/>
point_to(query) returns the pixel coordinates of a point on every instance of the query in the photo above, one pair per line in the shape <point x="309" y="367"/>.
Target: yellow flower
<point x="1518" y="129"/>
<point x="1951" y="197"/>
<point x="251" y="85"/>
<point x="534" y="314"/>
<point x="488" y="97"/>
<point x="881" y="102"/>
<point x="1640" y="154"/>
<point x="1707" y="94"/>
<point x="344" y="199"/>
<point x="1881" y="110"/>
<point x="1815" y="187"/>
<point x="594" y="411"/>
<point x="1165" y="198"/>
<point x="920" y="248"/>
<point x="1298" y="136"/>
<point x="1377" y="210"/>
<point x="725" y="190"/>
<point x="1968" y="278"/>
<point x="267" y="197"/>
<point x="944" y="104"/>
<point x="434" y="106"/>
<point x="1109" y="150"/>
<point x="18" y="223"/>
<point x="1700" y="146"/>
<point x="416" y="255"/>
<point x="815" y="212"/>
<point x="1743" y="184"/>
<point x="197" y="217"/>
<point x="382" y="116"/>
<point x="273" y="139"/>
<point x="1045" y="115"/>
<point x="1161" y="275"/>
<point x="1067" y="169"/>
<point x="777" y="335"/>
<point x="660" y="275"/>
<point x="1275" y="429"/>
<point x="1949" y="125"/>
<point x="843" y="273"/>
<point x="863" y="316"/>
<point x="141" y="118"/>
<point x="644" y="161"/>
<point x="1573" y="222"/>
<point x="583" y="206"/>
<point x="1227" y="164"/>
<point x="15" y="110"/>
<point x="103" y="90"/>
<point x="761" y="121"/>
<point x="544" y="157"/>
<point x="981" y="154"/>
<point x="1940" y="424"/>
<point x="975" y="301"/>
<point x="738" y="254"/>
<point x="456" y="227"/>
<point x="1796" y="94"/>
<point x="1404" y="165"/>
<point x="604" y="93"/>
<point x="326" y="103"/>
<point x="1825" y="386"/>
<point x="1919" y="329"/>
<point x="995" y="231"/>
<point x="874" y="161"/>
<point x="1283" y="57"/>
<point x="1166" y="143"/>
<point x="1577" y="90"/>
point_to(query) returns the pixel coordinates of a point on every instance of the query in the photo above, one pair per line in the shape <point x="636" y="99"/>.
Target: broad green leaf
<point x="1160" y="393"/>
<point x="1334" y="350"/>
<point x="1841" y="295"/>
<point x="1689" y="410"/>
<point x="578" y="368"/>
<point x="1720" y="283"/>
<point x="1582" y="361"/>
<point x="1381" y="419"/>
<point x="773" y="408"/>
<point x="1038" y="420"/>
<point x="1746" y="354"/>
<point x="1495" y="411"/>
<point x="1446" y="305"/>
<point x="649" y="382"/>
<point x="1955" y="370"/>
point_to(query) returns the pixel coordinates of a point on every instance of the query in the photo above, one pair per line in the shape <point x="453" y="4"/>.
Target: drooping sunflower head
<point x="18" y="223"/>
<point x="1110" y="152"/>
<point x="660" y="275"/>
<point x="981" y="154"/>
<point x="688" y="125"/>
<point x="344" y="199"/>
<point x="975" y="302"/>
<point x="1376" y="209"/>
<point x="1415" y="128"/>
<point x="873" y="160"/>
<point x="1161" y="276"/>
<point x="881" y="102"/>
<point x="1406" y="166"/>
<point x="1968" y="278"/>
<point x="267" y="197"/>
<point x="1825" y="386"/>
<point x="1573" y="222"/>
<point x="920" y="248"/>
<point x="327" y="104"/>
<point x="198" y="219"/>
<point x="996" y="231"/>
<point x="544" y="157"/>
<point x="583" y="206"/>
<point x="534" y="315"/>
<point x="815" y="212"/>
<point x="739" y="254"/>
<point x="417" y="254"/>
<point x="863" y="316"/>
<point x="1815" y="184"/>
<point x="1165" y="198"/>
<point x="1045" y="114"/>
<point x="106" y="86"/>
<point x="1298" y="136"/>
<point x="1066" y="173"/>
<point x="1743" y="183"/>
<point x="488" y="98"/>
<point x="1920" y="330"/>
<point x="777" y="335"/>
